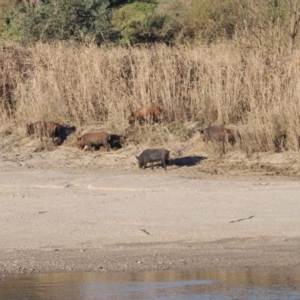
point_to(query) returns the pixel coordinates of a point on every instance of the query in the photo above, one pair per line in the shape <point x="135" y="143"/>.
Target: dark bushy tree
<point x="65" y="19"/>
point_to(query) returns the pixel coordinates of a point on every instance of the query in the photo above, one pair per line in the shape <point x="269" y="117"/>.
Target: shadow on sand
<point x="187" y="161"/>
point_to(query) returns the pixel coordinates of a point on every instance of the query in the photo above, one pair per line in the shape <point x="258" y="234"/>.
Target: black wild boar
<point x="94" y="139"/>
<point x="153" y="155"/>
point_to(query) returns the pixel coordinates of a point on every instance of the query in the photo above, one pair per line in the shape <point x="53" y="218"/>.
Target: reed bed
<point x="256" y="93"/>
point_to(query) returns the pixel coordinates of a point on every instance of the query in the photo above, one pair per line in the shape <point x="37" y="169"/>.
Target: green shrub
<point x="133" y="21"/>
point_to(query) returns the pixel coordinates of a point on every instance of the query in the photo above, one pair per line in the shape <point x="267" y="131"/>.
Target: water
<point x="167" y="285"/>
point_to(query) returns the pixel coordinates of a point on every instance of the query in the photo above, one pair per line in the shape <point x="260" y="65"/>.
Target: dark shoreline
<point x="224" y="254"/>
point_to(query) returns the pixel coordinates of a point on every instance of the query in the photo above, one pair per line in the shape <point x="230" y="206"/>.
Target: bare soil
<point x="67" y="210"/>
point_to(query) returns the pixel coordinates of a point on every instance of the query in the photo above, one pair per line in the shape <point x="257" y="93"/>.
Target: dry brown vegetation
<point x="253" y="92"/>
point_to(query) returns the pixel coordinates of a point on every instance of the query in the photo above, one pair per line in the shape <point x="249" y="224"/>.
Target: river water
<point x="166" y="285"/>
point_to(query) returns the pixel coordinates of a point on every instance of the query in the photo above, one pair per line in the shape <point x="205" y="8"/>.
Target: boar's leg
<point x="164" y="163"/>
<point x="86" y="147"/>
<point x="145" y="161"/>
<point x="107" y="146"/>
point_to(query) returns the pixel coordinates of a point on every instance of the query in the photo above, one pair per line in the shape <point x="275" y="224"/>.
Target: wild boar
<point x="153" y="155"/>
<point x="88" y="140"/>
<point x="218" y="134"/>
<point x="52" y="129"/>
<point x="146" y="114"/>
<point x="63" y="133"/>
<point x="43" y="128"/>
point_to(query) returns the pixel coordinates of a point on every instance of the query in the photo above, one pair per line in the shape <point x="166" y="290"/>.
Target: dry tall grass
<point x="256" y="93"/>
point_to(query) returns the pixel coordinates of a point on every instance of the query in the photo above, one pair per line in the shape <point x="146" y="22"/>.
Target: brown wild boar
<point x="43" y="128"/>
<point x="153" y="155"/>
<point x="218" y="134"/>
<point x="88" y="140"/>
<point x="145" y="114"/>
<point x="52" y="129"/>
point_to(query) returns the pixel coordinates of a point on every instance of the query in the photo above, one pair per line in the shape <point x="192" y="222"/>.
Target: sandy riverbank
<point x="61" y="220"/>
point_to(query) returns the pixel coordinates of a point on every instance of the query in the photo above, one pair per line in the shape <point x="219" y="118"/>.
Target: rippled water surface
<point x="166" y="285"/>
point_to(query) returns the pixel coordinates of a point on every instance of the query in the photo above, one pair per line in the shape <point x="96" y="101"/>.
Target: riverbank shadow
<point x="186" y="161"/>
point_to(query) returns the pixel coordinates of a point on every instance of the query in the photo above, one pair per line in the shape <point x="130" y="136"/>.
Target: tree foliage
<point x="252" y="23"/>
<point x="65" y="19"/>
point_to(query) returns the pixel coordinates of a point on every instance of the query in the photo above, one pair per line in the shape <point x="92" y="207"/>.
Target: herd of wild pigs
<point x="144" y="115"/>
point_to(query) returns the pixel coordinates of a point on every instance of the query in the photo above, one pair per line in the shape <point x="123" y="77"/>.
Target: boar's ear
<point x="137" y="157"/>
<point x="201" y="131"/>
